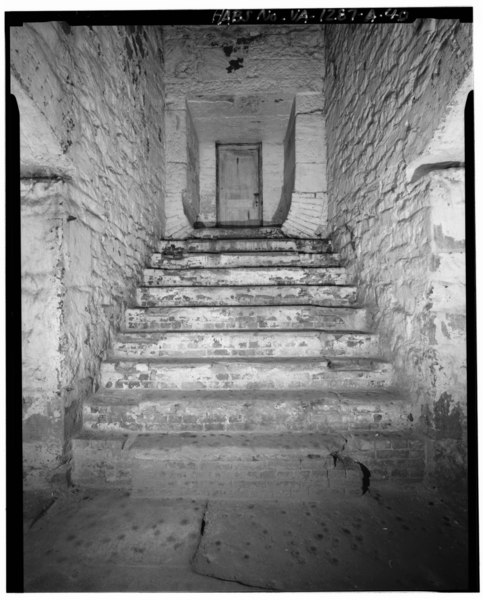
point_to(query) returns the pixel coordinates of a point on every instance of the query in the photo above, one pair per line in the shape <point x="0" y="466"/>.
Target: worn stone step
<point x="238" y="232"/>
<point x="243" y="259"/>
<point x="323" y="295"/>
<point x="199" y="344"/>
<point x="245" y="245"/>
<point x="254" y="410"/>
<point x="246" y="373"/>
<point x="246" y="317"/>
<point x="244" y="465"/>
<point x="247" y="276"/>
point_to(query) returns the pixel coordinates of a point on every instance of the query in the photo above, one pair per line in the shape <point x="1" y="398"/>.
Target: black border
<point x="206" y="17"/>
<point x="471" y="348"/>
<point x="13" y="353"/>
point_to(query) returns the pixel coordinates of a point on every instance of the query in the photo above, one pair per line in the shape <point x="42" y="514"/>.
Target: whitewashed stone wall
<point x="307" y="216"/>
<point x="42" y="296"/>
<point x="97" y="94"/>
<point x="262" y="59"/>
<point x="207" y="214"/>
<point x="254" y="70"/>
<point x="180" y="206"/>
<point x="389" y="88"/>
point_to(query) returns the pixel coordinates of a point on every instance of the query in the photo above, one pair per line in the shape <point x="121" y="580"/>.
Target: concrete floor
<point x="388" y="539"/>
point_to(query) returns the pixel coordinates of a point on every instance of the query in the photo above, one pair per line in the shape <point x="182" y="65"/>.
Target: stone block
<point x="177" y="177"/>
<point x="308" y="102"/>
<point x="176" y="136"/>
<point x="310" y="139"/>
<point x="310" y="177"/>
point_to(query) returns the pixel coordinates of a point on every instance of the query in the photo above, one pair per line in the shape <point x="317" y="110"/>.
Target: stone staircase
<point x="245" y="370"/>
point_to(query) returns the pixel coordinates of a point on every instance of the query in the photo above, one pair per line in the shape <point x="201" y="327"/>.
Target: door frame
<point x="258" y="147"/>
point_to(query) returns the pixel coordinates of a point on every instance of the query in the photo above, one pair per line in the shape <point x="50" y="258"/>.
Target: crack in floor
<point x="233" y="580"/>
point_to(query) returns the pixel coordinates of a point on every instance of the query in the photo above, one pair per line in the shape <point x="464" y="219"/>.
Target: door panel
<point x="239" y="188"/>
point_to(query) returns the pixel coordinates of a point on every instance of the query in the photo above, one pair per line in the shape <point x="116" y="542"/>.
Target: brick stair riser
<point x="248" y="276"/>
<point x="194" y="415"/>
<point x="261" y="295"/>
<point x="266" y="317"/>
<point x="247" y="245"/>
<point x="303" y="475"/>
<point x="235" y="479"/>
<point x="214" y="261"/>
<point x="397" y="456"/>
<point x="221" y="480"/>
<point x="240" y="376"/>
<point x="233" y="344"/>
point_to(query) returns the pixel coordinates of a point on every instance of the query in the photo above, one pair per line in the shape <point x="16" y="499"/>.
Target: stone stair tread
<point x="245" y="373"/>
<point x="263" y="317"/>
<point x="242" y="238"/>
<point x="254" y="288"/>
<point x="251" y="254"/>
<point x="150" y="410"/>
<point x="249" y="286"/>
<point x="261" y="295"/>
<point x="254" y="253"/>
<point x="243" y="276"/>
<point x="338" y="362"/>
<point x="269" y="251"/>
<point x="233" y="444"/>
<point x="228" y="245"/>
<point x="290" y="268"/>
<point x="135" y="397"/>
<point x="153" y="333"/>
<point x="237" y="260"/>
<point x="245" y="307"/>
<point x="243" y="342"/>
<point x="238" y="445"/>
<point x="237" y="232"/>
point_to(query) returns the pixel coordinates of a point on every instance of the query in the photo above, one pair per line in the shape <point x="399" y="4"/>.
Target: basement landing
<point x="388" y="539"/>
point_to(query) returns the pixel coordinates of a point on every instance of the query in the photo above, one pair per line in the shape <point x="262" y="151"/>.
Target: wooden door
<point x="239" y="190"/>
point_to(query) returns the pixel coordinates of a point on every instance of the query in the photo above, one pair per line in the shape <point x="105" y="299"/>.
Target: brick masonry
<point x="297" y="467"/>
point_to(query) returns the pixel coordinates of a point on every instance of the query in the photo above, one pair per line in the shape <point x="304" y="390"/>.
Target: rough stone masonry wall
<point x="244" y="66"/>
<point x="92" y="166"/>
<point x="389" y="88"/>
